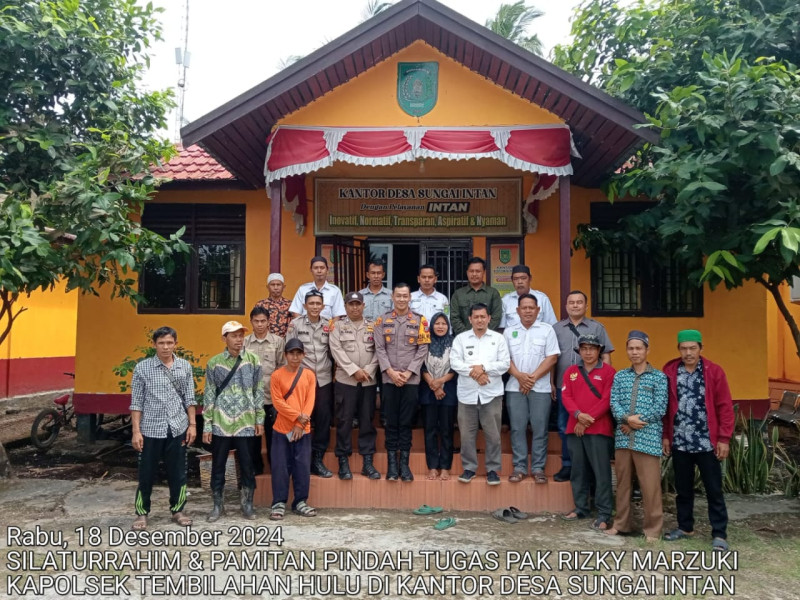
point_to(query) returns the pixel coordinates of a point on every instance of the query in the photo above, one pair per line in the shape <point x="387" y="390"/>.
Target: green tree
<point x="77" y="138"/>
<point x="718" y="81"/>
<point x="512" y="22"/>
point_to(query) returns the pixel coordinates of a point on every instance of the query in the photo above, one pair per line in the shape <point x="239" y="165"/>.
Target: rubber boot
<point x="318" y="467"/>
<point x="392" y="472"/>
<point x="405" y="471"/>
<point x="344" y="468"/>
<point x="219" y="507"/>
<point x="369" y="470"/>
<point x="246" y="495"/>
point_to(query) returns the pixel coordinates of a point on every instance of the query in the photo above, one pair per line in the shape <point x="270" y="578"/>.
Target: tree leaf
<point x="765" y="239"/>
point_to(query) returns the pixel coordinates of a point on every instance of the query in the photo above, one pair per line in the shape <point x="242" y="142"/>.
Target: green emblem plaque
<point x="417" y="87"/>
<point x="505" y="256"/>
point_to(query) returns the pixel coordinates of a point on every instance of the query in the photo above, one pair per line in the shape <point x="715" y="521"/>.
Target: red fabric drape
<point x="374" y="143"/>
<point x="458" y="142"/>
<point x="548" y="147"/>
<point x="296" y="146"/>
<point x="538" y="149"/>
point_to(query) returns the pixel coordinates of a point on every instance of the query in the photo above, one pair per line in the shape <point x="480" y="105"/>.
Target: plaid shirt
<point x="154" y="395"/>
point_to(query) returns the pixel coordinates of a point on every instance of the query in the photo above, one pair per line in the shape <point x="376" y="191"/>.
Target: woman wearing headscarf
<point x="438" y="397"/>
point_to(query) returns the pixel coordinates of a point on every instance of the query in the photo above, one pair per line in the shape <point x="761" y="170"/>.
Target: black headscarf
<point x="439" y="343"/>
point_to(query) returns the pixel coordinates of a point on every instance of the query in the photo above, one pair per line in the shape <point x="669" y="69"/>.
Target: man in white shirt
<point x="426" y="301"/>
<point x="480" y="357"/>
<point x="377" y="297"/>
<point x="534" y="351"/>
<point x="331" y="294"/>
<point x="521" y="278"/>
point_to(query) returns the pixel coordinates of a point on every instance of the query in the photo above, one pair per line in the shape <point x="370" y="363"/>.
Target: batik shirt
<point x="642" y="394"/>
<point x="235" y="411"/>
<point x="279" y="316"/>
<point x="691" y="420"/>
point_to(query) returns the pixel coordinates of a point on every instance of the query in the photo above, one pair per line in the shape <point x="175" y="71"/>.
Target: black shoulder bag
<point x="589" y="383"/>
<point x="294" y="383"/>
<point x="231" y="373"/>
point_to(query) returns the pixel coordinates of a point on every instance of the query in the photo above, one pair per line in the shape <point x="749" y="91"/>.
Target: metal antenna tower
<point x="182" y="59"/>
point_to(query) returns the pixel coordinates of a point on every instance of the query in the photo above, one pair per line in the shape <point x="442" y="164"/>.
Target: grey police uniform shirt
<point x="353" y="348"/>
<point x="397" y="344"/>
<point x="375" y="304"/>
<point x="315" y="338"/>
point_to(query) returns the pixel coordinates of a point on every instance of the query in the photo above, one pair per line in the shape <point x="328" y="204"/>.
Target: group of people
<point x="325" y="358"/>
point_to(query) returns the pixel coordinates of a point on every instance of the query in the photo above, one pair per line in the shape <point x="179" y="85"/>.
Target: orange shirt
<point x="300" y="402"/>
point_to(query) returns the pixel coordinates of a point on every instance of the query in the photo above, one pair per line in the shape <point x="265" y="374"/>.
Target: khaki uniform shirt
<point x="315" y="340"/>
<point x="270" y="354"/>
<point x="401" y="343"/>
<point x="353" y="348"/>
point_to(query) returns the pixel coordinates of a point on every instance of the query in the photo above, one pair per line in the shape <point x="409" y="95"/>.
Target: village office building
<point x="417" y="137"/>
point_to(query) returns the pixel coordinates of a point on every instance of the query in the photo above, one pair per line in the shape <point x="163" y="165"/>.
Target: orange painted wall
<point x="109" y="330"/>
<point x="783" y="360"/>
<point x="41" y="344"/>
<point x="734" y="326"/>
<point x="46" y="328"/>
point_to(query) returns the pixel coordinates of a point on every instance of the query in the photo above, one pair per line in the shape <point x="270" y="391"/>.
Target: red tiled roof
<point x="193" y="164"/>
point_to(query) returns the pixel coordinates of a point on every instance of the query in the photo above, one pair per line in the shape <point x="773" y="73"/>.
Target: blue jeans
<point x="533" y="408"/>
<point x="563" y="418"/>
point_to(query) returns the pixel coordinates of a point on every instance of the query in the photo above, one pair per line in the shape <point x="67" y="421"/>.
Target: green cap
<point x="690" y="335"/>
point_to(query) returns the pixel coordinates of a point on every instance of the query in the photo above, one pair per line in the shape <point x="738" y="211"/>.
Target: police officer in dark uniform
<point x="401" y="344"/>
<point x="353" y="349"/>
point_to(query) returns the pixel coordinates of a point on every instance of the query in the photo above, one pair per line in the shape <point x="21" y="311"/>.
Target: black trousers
<point x="173" y="452"/>
<point x="439" y="421"/>
<point x="591" y="456"/>
<point x="711" y="474"/>
<point x="322" y="418"/>
<point x="399" y="406"/>
<point x="270" y="414"/>
<point x="220" y="446"/>
<point x="291" y="460"/>
<point x="355" y="401"/>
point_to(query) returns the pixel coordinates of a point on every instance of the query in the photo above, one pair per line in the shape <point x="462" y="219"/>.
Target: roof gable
<point x="603" y="127"/>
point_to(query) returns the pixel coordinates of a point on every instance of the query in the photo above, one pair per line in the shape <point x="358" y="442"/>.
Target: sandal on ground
<point x="719" y="544"/>
<point x="445" y="523"/>
<point x="516" y="477"/>
<point x="304" y="510"/>
<point x="539" y="477"/>
<point x="181" y="519"/>
<point x="613" y="531"/>
<point x="573" y="516"/>
<point x="504" y="514"/>
<point x="432" y="475"/>
<point x="444" y="475"/>
<point x="518" y="514"/>
<point x="428" y="510"/>
<point x="601" y="524"/>
<point x="277" y="511"/>
<point x="140" y="524"/>
<point x="678" y="534"/>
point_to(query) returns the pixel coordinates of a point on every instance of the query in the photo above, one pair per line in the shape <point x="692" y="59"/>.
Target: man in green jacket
<point x="233" y="412"/>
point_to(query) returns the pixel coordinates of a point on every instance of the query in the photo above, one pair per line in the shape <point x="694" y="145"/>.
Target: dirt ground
<point x="80" y="502"/>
